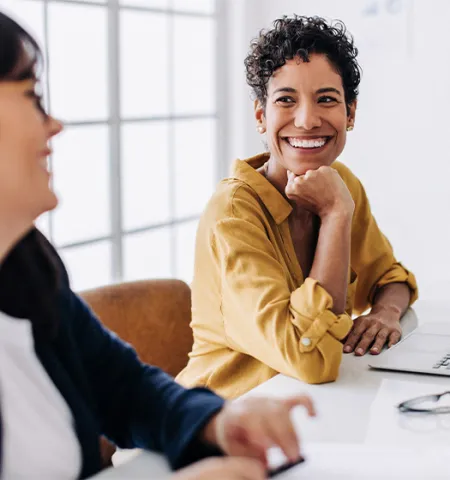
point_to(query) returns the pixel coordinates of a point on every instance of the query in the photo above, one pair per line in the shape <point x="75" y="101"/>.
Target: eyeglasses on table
<point x="417" y="405"/>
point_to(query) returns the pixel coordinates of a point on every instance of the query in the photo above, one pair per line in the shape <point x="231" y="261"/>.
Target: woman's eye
<point x="40" y="103"/>
<point x="38" y="100"/>
<point x="327" y="99"/>
<point x="285" y="100"/>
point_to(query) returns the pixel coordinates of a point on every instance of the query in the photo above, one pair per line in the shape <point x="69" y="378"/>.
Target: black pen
<point x="283" y="468"/>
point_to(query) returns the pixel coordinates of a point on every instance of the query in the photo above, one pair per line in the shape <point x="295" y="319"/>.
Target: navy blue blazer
<point x="110" y="392"/>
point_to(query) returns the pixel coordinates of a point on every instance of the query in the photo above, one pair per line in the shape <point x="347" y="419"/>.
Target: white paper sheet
<point x="389" y="426"/>
<point x="361" y="461"/>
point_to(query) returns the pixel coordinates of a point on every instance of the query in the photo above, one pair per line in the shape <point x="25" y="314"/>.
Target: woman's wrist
<point x="392" y="300"/>
<point x="209" y="433"/>
<point x="389" y="312"/>
<point x="341" y="217"/>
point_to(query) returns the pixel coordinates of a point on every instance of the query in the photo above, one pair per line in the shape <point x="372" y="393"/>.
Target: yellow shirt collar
<point x="245" y="171"/>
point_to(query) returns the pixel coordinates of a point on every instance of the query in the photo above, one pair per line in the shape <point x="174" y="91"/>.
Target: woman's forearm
<point x="332" y="257"/>
<point x="394" y="297"/>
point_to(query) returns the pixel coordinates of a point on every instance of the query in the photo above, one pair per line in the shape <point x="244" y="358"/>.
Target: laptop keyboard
<point x="443" y="363"/>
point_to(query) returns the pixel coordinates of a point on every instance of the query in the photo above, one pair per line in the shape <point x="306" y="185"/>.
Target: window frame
<point x="114" y="122"/>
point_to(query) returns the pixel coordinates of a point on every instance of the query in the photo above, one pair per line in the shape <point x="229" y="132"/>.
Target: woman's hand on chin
<point x="321" y="191"/>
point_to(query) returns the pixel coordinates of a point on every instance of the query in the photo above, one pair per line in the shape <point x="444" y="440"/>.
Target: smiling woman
<point x="287" y="248"/>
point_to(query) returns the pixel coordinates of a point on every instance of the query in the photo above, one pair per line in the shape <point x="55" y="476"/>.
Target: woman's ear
<point x="259" y="117"/>
<point x="351" y="110"/>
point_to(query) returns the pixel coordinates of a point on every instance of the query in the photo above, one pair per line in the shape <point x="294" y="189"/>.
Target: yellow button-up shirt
<point x="253" y="313"/>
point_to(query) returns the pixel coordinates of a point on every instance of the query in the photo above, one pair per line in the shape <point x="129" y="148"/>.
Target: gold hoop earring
<point x="349" y="128"/>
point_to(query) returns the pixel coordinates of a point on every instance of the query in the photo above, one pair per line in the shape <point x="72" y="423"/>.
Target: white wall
<point x="399" y="147"/>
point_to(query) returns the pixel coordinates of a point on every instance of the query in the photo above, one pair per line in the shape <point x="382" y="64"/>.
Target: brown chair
<point x="151" y="315"/>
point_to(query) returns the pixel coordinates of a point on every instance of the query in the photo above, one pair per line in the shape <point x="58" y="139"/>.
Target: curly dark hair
<point x="300" y="36"/>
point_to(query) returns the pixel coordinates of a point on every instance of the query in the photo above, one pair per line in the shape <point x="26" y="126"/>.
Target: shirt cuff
<point x="311" y="305"/>
<point x="397" y="274"/>
<point x="200" y="408"/>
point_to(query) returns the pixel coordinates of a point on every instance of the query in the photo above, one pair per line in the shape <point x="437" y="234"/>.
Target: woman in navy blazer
<point x="107" y="390"/>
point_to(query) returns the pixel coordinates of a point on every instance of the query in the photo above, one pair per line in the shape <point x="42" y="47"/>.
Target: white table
<point x="343" y="406"/>
<point x="145" y="465"/>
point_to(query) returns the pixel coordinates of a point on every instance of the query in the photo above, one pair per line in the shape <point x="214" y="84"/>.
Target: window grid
<point x="115" y="122"/>
<point x="115" y="139"/>
<point x="138" y="8"/>
<point x="143" y="119"/>
<point x="170" y="41"/>
<point x="131" y="231"/>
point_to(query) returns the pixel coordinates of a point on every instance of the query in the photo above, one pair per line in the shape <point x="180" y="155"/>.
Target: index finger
<point x="301" y="400"/>
<point x="281" y="432"/>
<point x="355" y="335"/>
<point x="291" y="175"/>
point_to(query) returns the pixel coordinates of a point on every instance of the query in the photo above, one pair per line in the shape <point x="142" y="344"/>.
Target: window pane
<point x="185" y="250"/>
<point x="203" y="6"/>
<point x="78" y="61"/>
<point x="89" y="266"/>
<point x="81" y="179"/>
<point x="195" y="161"/>
<point x="145" y="174"/>
<point x="146" y="3"/>
<point x="194" y="65"/>
<point x="144" y="64"/>
<point x="147" y="255"/>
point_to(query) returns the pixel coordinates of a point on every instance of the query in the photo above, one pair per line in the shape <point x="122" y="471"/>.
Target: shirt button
<point x="306" y="341"/>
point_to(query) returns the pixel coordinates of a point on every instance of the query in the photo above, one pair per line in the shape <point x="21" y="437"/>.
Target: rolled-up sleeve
<point x="396" y="273"/>
<point x="292" y="330"/>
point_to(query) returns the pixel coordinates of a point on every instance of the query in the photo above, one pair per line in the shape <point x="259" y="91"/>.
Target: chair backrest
<point x="152" y="315"/>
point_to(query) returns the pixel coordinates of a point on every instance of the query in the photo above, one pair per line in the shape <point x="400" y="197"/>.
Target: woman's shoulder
<point x="351" y="180"/>
<point x="344" y="171"/>
<point x="233" y="198"/>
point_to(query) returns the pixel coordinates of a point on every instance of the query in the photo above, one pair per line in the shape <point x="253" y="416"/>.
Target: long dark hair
<point x="32" y="272"/>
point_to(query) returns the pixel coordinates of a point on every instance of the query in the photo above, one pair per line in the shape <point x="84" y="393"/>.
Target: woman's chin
<point x="49" y="203"/>
<point x="52" y="202"/>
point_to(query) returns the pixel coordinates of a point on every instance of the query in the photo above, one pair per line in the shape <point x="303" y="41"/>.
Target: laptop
<point x="425" y="350"/>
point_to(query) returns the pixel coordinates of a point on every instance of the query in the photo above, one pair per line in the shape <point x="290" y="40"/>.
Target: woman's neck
<point x="277" y="176"/>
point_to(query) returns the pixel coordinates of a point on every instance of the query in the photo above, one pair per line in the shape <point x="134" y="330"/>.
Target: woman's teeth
<point x="312" y="143"/>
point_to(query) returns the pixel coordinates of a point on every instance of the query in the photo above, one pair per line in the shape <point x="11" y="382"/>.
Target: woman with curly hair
<point x="287" y="248"/>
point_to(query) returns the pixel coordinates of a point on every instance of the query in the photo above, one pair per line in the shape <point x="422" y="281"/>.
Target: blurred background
<point x="154" y="99"/>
